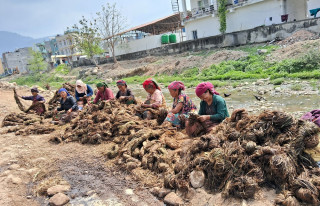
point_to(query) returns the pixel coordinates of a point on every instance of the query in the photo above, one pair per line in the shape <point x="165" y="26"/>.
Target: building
<point x="148" y="36"/>
<point x="52" y="46"/>
<point x="41" y="47"/>
<point x="203" y="20"/>
<point x="66" y="46"/>
<point x="1" y="67"/>
<point x="18" y="59"/>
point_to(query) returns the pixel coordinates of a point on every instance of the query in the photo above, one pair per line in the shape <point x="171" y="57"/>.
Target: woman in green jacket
<point x="213" y="108"/>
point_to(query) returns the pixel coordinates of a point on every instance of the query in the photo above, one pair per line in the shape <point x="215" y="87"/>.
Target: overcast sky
<point x="41" y="18"/>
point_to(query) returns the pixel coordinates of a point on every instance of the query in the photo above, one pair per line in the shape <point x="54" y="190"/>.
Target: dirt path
<point x="29" y="161"/>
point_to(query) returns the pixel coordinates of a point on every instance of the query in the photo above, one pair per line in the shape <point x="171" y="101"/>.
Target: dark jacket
<point x="128" y="93"/>
<point x="218" y="106"/>
<point x="69" y="103"/>
<point x="89" y="93"/>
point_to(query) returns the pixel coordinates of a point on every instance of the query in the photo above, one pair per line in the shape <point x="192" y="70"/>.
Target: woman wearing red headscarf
<point x="155" y="98"/>
<point x="182" y="104"/>
<point x="213" y="108"/>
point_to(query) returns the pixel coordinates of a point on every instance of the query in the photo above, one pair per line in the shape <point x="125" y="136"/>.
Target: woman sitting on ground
<point x="182" y="104"/>
<point x="124" y="94"/>
<point x="37" y="101"/>
<point x="155" y="98"/>
<point x="104" y="93"/>
<point x="83" y="93"/>
<point x="68" y="106"/>
<point x="213" y="108"/>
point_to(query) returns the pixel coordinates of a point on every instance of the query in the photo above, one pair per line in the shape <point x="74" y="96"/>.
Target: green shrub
<point x="277" y="81"/>
<point x="296" y="87"/>
<point x="191" y="72"/>
<point x="62" y="69"/>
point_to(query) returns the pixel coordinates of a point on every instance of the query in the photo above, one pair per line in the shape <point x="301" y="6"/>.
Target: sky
<point x="43" y="18"/>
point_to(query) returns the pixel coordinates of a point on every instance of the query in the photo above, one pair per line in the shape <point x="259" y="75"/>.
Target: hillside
<point x="10" y="41"/>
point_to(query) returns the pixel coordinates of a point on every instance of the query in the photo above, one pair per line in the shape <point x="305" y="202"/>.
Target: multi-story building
<point x="203" y="20"/>
<point x="18" y="59"/>
<point x="1" y="67"/>
<point x="67" y="47"/>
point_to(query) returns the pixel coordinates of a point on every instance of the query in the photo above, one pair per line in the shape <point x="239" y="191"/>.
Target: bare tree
<point x="111" y="23"/>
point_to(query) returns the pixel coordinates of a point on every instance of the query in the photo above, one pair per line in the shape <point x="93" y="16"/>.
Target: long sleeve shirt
<point x="156" y="99"/>
<point x="106" y="95"/>
<point x="127" y="93"/>
<point x="34" y="98"/>
<point x="218" y="108"/>
<point x="89" y="93"/>
<point x="69" y="103"/>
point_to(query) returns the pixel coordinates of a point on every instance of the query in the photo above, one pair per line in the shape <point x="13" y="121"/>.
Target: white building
<point x="66" y="47"/>
<point x="203" y="20"/>
<point x="148" y="36"/>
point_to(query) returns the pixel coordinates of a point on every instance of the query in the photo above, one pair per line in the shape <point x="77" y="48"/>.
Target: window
<point x="206" y="3"/>
<point x="200" y="4"/>
<point x="64" y="42"/>
<point x="195" y="34"/>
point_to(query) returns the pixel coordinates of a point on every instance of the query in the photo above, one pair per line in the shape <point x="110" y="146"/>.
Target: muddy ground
<point x="26" y="160"/>
<point x="31" y="164"/>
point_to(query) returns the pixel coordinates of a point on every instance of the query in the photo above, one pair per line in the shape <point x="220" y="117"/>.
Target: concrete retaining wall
<point x="256" y="35"/>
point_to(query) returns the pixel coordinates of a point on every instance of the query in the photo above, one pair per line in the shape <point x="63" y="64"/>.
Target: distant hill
<point x="10" y="41"/>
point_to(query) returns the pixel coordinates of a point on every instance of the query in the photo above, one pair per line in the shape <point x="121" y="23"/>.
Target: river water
<point x="295" y="102"/>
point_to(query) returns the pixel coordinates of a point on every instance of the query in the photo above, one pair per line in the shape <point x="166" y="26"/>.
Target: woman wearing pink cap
<point x="213" y="108"/>
<point x="182" y="104"/>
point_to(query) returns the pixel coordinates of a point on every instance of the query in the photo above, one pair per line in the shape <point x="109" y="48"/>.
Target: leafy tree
<point x="87" y="38"/>
<point x="111" y="23"/>
<point x="37" y="63"/>
<point x="222" y="11"/>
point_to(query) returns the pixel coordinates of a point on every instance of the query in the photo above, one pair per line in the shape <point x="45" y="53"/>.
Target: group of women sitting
<point x="213" y="109"/>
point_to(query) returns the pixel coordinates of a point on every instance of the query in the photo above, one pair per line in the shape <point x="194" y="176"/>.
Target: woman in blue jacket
<point x="83" y="93"/>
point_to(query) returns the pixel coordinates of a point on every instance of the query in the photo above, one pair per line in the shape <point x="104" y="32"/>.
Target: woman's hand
<point x="69" y="111"/>
<point x="145" y="105"/>
<point x="55" y="111"/>
<point x="203" y="118"/>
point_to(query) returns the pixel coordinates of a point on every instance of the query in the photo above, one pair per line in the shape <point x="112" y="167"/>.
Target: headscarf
<point x="203" y="87"/>
<point x="102" y="84"/>
<point x="122" y="82"/>
<point x="63" y="90"/>
<point x="34" y="89"/>
<point x="176" y="85"/>
<point x="82" y="88"/>
<point x="151" y="82"/>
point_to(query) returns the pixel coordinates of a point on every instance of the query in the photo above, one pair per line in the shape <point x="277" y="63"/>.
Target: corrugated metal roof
<point x="162" y="25"/>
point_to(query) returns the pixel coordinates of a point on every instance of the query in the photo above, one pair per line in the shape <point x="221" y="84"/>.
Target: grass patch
<point x="296" y="87"/>
<point x="40" y="79"/>
<point x="277" y="81"/>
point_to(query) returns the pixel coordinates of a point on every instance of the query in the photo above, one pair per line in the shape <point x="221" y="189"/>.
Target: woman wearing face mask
<point x="124" y="94"/>
<point x="213" y="108"/>
<point x="182" y="104"/>
<point x="83" y="93"/>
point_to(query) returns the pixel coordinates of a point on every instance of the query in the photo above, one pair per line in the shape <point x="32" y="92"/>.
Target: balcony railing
<point x="199" y="12"/>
